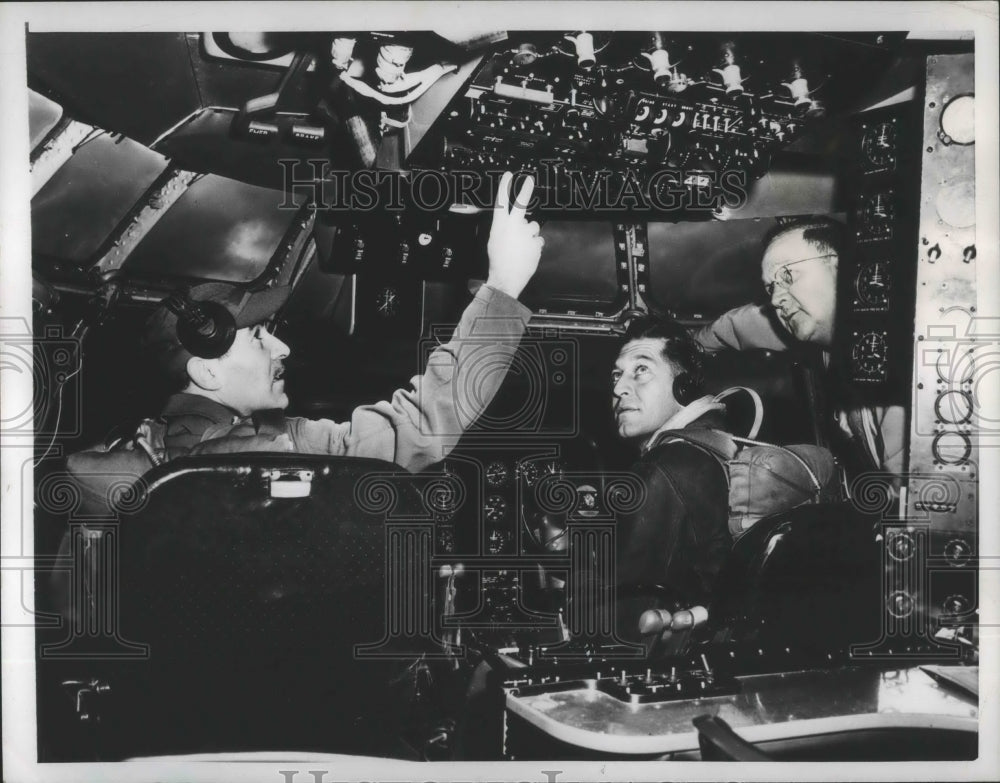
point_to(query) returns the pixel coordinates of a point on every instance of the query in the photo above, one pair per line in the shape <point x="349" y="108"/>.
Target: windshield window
<point x="705" y="269"/>
<point x="220" y="229"/>
<point x="87" y="198"/>
<point x="43" y="115"/>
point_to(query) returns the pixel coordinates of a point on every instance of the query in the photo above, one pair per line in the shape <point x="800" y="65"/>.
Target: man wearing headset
<point x="217" y="401"/>
<point x="799" y="270"/>
<point x="678" y="536"/>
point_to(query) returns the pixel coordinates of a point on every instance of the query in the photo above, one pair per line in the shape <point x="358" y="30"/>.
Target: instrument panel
<point x="875" y="298"/>
<point x="639" y="121"/>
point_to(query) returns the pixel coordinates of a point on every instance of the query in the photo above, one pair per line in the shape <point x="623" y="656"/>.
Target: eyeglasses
<point x="784" y="276"/>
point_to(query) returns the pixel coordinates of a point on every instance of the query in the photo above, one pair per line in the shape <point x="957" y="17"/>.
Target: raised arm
<point x="743" y="328"/>
<point x="421" y="425"/>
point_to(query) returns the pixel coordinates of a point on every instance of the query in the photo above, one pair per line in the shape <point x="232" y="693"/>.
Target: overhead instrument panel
<point x="647" y="121"/>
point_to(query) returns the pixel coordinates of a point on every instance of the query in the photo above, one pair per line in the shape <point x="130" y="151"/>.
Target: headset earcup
<point x="688" y="387"/>
<point x="682" y="388"/>
<point x="214" y="337"/>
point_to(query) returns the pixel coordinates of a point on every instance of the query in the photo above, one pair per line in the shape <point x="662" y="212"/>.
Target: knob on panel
<point x="901" y="604"/>
<point x="901" y="546"/>
<point x="957" y="552"/>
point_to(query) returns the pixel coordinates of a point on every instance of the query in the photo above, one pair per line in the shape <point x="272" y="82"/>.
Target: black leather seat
<point x="253" y="578"/>
<point x="810" y="578"/>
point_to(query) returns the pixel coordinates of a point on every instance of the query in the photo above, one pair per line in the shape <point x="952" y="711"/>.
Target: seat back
<point x="809" y="578"/>
<point x="254" y="579"/>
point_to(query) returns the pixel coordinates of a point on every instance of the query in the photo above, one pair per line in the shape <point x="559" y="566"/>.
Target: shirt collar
<point x="686" y="417"/>
<point x="186" y="404"/>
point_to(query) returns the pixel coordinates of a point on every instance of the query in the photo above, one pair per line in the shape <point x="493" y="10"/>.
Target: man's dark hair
<point x="175" y="380"/>
<point x="680" y="350"/>
<point x="828" y="234"/>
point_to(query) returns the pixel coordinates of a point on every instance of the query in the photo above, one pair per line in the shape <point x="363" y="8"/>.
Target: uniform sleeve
<point x="421" y="425"/>
<point x="742" y="328"/>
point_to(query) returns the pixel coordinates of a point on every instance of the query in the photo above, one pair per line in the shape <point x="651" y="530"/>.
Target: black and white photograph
<point x="499" y="391"/>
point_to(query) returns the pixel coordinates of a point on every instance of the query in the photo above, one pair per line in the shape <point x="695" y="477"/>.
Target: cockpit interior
<point x="259" y="601"/>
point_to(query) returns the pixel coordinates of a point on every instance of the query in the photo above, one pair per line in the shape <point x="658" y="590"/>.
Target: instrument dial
<point x="497" y="542"/>
<point x="446" y="540"/>
<point x="875" y="216"/>
<point x="951" y="448"/>
<point x="868" y="356"/>
<point x="530" y="472"/>
<point x="496" y="474"/>
<point x="387" y="302"/>
<point x="871" y="285"/>
<point x="495" y="508"/>
<point x="955" y="366"/>
<point x="956" y="605"/>
<point x="879" y="145"/>
<point x="953" y="407"/>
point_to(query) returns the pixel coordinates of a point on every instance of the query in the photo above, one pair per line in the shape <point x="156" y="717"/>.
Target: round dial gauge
<point x="871" y="284"/>
<point x="879" y="144"/>
<point x="877" y="215"/>
<point x="495" y="508"/>
<point x="956" y="604"/>
<point x="957" y="552"/>
<point x="496" y="474"/>
<point x="387" y="302"/>
<point x="951" y="448"/>
<point x="530" y="472"/>
<point x="869" y="353"/>
<point x="953" y="407"/>
<point x="443" y="498"/>
<point x="497" y="543"/>
<point x="955" y="366"/>
<point x="958" y="121"/>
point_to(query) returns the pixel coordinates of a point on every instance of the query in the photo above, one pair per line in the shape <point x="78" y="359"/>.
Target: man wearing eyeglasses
<point x="799" y="271"/>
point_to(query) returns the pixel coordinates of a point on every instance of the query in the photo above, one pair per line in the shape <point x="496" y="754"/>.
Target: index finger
<point x="503" y="193"/>
<point x="524" y="197"/>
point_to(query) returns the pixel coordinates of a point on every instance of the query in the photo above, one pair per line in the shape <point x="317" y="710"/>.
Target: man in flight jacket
<point x="677" y="538"/>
